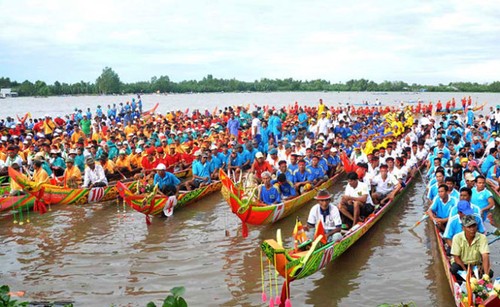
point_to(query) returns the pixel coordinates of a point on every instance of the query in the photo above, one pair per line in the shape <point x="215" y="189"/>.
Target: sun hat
<point x="323" y="195"/>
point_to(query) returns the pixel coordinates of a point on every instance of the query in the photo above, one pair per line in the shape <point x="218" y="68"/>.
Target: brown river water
<point x="99" y="255"/>
<point x="96" y="256"/>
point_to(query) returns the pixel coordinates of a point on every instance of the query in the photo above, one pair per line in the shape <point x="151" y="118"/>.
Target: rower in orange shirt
<point x="39" y="174"/>
<point x="107" y="165"/>
<point x="72" y="175"/>
<point x="123" y="164"/>
<point x="77" y="134"/>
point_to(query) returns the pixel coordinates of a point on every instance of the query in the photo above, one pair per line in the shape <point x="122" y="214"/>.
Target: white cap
<point x="497" y="139"/>
<point x="333" y="149"/>
<point x="40" y="135"/>
<point x="213" y="147"/>
<point x="259" y="155"/>
<point x="161" y="167"/>
<point x="197" y="153"/>
<point x="138" y="150"/>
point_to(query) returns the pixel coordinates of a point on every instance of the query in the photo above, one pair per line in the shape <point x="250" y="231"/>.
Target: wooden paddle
<point x="423" y="218"/>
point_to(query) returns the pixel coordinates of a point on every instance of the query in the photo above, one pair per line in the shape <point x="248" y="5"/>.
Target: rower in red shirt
<point x="149" y="162"/>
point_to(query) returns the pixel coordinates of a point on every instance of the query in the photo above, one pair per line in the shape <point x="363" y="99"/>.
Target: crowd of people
<point x="289" y="149"/>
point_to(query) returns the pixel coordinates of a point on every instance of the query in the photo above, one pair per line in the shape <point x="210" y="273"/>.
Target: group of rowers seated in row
<point x="362" y="196"/>
<point x="460" y="216"/>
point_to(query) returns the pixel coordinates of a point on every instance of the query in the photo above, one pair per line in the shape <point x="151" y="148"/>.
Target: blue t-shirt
<point x="442" y="210"/>
<point x="201" y="170"/>
<point x="317" y="172"/>
<point x="286" y="188"/>
<point x="270" y="196"/>
<point x="302" y="177"/>
<point x="168" y="180"/>
<point x="454" y="226"/>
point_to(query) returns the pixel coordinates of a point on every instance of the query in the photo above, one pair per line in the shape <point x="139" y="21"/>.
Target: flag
<point x="320" y="230"/>
<point x="469" y="287"/>
<point x="299" y="236"/>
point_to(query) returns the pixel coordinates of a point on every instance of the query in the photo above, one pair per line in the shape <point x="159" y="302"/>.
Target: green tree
<point x="108" y="82"/>
<point x="26" y="89"/>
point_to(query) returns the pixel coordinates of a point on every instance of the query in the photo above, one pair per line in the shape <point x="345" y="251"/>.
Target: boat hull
<point x="293" y="266"/>
<point x="158" y="203"/>
<point x="262" y="214"/>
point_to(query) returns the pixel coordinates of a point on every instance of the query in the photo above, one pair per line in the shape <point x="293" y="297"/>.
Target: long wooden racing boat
<point x="50" y="194"/>
<point x="252" y="211"/>
<point x="452" y="281"/>
<point x="294" y="265"/>
<point x="20" y="202"/>
<point x="460" y="110"/>
<point x="156" y="204"/>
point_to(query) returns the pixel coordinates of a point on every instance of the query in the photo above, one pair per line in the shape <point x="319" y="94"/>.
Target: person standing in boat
<point x="470" y="247"/>
<point x="327" y="213"/>
<point x="94" y="175"/>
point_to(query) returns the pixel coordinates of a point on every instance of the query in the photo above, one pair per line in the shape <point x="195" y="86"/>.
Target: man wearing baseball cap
<point x="470" y="247"/>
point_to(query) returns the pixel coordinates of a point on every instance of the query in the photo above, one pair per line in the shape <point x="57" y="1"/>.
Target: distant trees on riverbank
<point x="109" y="83"/>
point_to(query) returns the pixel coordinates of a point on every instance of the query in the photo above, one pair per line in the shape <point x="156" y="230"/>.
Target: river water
<point x="58" y="106"/>
<point x="99" y="255"/>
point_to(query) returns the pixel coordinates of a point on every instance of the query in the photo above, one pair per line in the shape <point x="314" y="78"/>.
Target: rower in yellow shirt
<point x="77" y="134"/>
<point x="123" y="162"/>
<point x="130" y="129"/>
<point x="72" y="175"/>
<point x="107" y="165"/>
<point x="135" y="158"/>
<point x="39" y="174"/>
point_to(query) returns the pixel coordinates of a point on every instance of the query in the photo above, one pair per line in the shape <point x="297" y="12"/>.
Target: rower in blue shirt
<point x="284" y="186"/>
<point x="439" y="212"/>
<point x="201" y="172"/>
<point x="454" y="225"/>
<point x="168" y="183"/>
<point x="268" y="194"/>
<point x="318" y="174"/>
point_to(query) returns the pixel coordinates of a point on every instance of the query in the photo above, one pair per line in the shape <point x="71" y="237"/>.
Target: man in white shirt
<point x="356" y="203"/>
<point x="385" y="186"/>
<point x="256" y="126"/>
<point x="323" y="124"/>
<point x="94" y="175"/>
<point x="325" y="212"/>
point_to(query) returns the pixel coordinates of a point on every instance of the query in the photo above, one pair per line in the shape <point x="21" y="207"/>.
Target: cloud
<point x="428" y="42"/>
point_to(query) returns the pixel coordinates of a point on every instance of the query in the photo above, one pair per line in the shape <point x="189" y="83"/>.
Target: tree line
<point x="109" y="83"/>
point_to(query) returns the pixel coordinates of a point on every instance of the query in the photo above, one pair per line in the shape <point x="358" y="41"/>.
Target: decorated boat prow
<point x="312" y="255"/>
<point x="245" y="205"/>
<point x="153" y="203"/>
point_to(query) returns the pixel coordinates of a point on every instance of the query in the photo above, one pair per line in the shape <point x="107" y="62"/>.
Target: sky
<point x="424" y="42"/>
